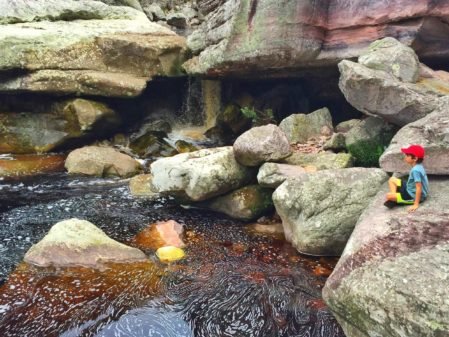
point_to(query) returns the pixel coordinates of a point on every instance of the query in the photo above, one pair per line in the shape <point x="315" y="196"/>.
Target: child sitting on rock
<point x="416" y="188"/>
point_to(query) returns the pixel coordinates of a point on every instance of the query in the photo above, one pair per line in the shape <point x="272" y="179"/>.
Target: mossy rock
<point x="152" y="144"/>
<point x="182" y="146"/>
<point x="246" y="203"/>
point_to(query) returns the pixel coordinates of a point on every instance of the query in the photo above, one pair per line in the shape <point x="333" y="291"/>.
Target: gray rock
<point x="337" y="142"/>
<point x="101" y="161"/>
<point x="393" y="277"/>
<point x="178" y="20"/>
<point x="246" y="203"/>
<point x="321" y="160"/>
<point x="261" y="144"/>
<point x="345" y="126"/>
<point x="377" y="93"/>
<point x="96" y="48"/>
<point x="65" y="121"/>
<point x="319" y="210"/>
<point x="78" y="242"/>
<point x="300" y="127"/>
<point x="431" y="132"/>
<point x="200" y="175"/>
<point x="154" y="12"/>
<point x="274" y="174"/>
<point x="392" y="56"/>
<point x="140" y="186"/>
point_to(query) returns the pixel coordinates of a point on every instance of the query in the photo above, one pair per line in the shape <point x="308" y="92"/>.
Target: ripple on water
<point x="230" y="284"/>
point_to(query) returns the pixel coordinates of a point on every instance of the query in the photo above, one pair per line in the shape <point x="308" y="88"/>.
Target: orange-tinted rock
<point x="22" y="165"/>
<point x="160" y="234"/>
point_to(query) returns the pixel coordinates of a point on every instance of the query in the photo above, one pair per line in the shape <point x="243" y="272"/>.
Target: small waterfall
<point x="211" y="101"/>
<point x="200" y="109"/>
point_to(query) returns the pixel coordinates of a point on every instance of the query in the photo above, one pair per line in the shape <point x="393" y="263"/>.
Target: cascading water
<point x="199" y="111"/>
<point x="232" y="283"/>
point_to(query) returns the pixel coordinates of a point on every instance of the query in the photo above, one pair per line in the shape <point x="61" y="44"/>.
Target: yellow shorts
<point x="402" y="196"/>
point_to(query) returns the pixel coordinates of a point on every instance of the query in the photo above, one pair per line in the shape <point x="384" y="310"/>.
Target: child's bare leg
<point x="392" y="196"/>
<point x="392" y="184"/>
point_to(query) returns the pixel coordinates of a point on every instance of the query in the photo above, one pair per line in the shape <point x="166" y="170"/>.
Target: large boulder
<point x="261" y="144"/>
<point x="63" y="122"/>
<point x="83" y="47"/>
<point x="201" y="174"/>
<point x="273" y="174"/>
<point x="432" y="132"/>
<point x="300" y="127"/>
<point x="281" y="37"/>
<point x="246" y="203"/>
<point x="321" y="160"/>
<point x="101" y="161"/>
<point x="395" y="58"/>
<point x="393" y="277"/>
<point x="78" y="242"/>
<point x="319" y="210"/>
<point x="378" y="93"/>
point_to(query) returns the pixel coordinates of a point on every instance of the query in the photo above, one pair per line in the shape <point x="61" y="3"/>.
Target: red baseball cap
<point x="415" y="150"/>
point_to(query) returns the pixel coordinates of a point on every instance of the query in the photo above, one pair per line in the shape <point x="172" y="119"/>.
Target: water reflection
<point x="232" y="283"/>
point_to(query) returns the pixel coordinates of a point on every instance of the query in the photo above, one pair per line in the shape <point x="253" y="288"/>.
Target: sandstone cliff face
<point x="243" y="36"/>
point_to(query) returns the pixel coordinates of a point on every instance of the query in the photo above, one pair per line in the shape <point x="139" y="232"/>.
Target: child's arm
<point x="417" y="197"/>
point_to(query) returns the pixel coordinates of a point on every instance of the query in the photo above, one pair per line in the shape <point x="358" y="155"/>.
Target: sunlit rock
<point x="101" y="161"/>
<point x="300" y="127"/>
<point x="274" y="174"/>
<point x="160" y="234"/>
<point x="140" y="186"/>
<point x="261" y="144"/>
<point x="393" y="276"/>
<point x="170" y="254"/>
<point x="201" y="174"/>
<point x="321" y="160"/>
<point x="83" y="47"/>
<point x="431" y="132"/>
<point x="319" y="210"/>
<point x="78" y="242"/>
<point x="246" y="203"/>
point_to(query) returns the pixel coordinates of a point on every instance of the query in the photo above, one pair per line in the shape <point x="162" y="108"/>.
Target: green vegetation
<point x="366" y="152"/>
<point x="258" y="117"/>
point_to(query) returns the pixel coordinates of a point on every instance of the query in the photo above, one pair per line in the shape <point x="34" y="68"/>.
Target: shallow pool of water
<point x="232" y="282"/>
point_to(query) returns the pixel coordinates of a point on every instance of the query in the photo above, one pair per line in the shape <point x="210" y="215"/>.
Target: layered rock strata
<point x="83" y="47"/>
<point x="245" y="36"/>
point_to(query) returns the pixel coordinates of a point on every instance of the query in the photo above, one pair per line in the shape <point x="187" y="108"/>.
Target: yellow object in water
<point x="170" y="253"/>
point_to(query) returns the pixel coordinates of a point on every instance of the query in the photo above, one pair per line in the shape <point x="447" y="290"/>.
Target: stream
<point x="233" y="282"/>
